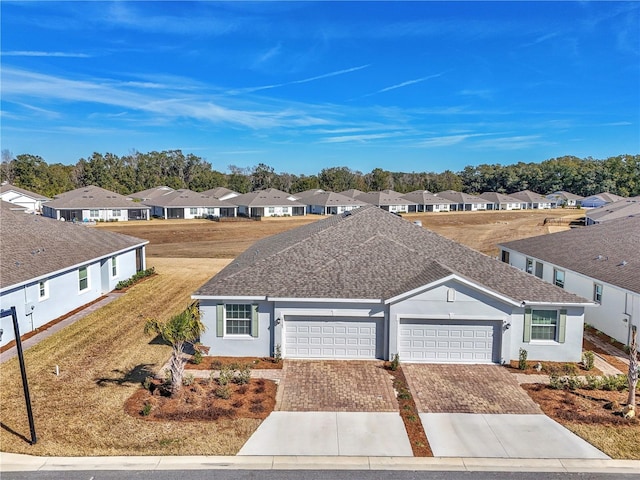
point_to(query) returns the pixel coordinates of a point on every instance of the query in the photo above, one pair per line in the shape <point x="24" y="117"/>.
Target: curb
<point x="11" y="462"/>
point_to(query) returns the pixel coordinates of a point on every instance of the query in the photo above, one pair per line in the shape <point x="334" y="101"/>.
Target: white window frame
<point x="529" y="265"/>
<point x="94" y="213"/>
<point x="505" y="256"/>
<point x="80" y="279"/>
<point x="116" y="213"/>
<point x="534" y="326"/>
<point x="559" y="277"/>
<point x="43" y="290"/>
<point x="193" y="210"/>
<point x="272" y="210"/>
<point x="113" y="267"/>
<point x="247" y="320"/>
<point x="598" y="288"/>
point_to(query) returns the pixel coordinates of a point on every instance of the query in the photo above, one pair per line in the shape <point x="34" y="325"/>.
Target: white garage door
<point x="331" y="337"/>
<point x="441" y="341"/>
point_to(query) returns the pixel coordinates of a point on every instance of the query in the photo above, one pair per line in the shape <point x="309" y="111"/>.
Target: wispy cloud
<point x="517" y="142"/>
<point x="34" y="53"/>
<point x="540" y="39"/>
<point x="403" y="84"/>
<point x="295" y="82"/>
<point x="360" y="138"/>
<point x="448" y="140"/>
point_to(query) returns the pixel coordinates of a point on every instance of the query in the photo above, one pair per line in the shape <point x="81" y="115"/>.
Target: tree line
<point x="139" y="171"/>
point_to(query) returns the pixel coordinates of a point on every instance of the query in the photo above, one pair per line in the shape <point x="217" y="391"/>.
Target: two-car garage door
<point x="333" y="337"/>
<point x="444" y="341"/>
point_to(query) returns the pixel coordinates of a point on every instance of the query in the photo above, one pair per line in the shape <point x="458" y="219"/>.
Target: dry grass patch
<point x="103" y="359"/>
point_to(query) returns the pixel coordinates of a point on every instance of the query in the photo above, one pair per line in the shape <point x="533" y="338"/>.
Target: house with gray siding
<point x="367" y="284"/>
<point x="565" y="199"/>
<point x="94" y="204"/>
<point x="599" y="262"/>
<point x="49" y="268"/>
<point x="425" y="201"/>
<point x="622" y="208"/>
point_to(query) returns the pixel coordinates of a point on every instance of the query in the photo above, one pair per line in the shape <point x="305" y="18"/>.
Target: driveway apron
<point x="345" y="408"/>
<point x="481" y="411"/>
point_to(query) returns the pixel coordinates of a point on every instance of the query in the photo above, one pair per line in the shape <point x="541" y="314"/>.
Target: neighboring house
<point x="367" y="284"/>
<point x="426" y="201"/>
<point x="50" y="268"/>
<point x="532" y="200"/>
<point x="600" y="199"/>
<point x="32" y="202"/>
<point x="601" y="262"/>
<point x="328" y="203"/>
<point x="188" y="204"/>
<point x="221" y="193"/>
<point x="268" y="203"/>
<point x="565" y="199"/>
<point x="388" y="200"/>
<point x="94" y="204"/>
<point x="463" y="201"/>
<point x="353" y="193"/>
<point x="307" y="193"/>
<point x="150" y="193"/>
<point x="499" y="201"/>
<point x="622" y="208"/>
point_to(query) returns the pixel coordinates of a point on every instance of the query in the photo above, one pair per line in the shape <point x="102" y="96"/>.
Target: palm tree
<point x="185" y="327"/>
<point x="632" y="376"/>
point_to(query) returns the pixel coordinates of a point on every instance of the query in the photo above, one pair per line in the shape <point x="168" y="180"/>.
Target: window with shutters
<point x="544" y="324"/>
<point x="238" y="319"/>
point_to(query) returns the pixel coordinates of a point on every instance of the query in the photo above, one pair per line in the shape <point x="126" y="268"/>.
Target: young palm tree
<point x="632" y="376"/>
<point x="185" y="327"/>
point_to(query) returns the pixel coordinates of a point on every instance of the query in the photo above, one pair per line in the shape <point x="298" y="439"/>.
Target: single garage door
<point x="444" y="341"/>
<point x="332" y="337"/>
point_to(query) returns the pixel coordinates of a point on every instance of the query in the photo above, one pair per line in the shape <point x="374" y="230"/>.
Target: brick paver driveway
<point x="335" y="386"/>
<point x="441" y="388"/>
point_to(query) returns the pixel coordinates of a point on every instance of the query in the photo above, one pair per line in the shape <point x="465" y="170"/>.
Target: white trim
<point x="228" y="297"/>
<point x="451" y="317"/>
<point x="283" y="311"/>
<point x="565" y="304"/>
<point x="325" y="300"/>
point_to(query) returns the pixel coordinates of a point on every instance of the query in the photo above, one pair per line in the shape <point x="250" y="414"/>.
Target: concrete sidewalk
<point x="14" y="463"/>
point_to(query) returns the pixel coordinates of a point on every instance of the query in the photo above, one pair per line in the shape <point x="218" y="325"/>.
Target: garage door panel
<point x="446" y="341"/>
<point x="341" y="337"/>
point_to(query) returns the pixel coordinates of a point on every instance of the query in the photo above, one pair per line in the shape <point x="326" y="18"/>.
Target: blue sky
<point x="301" y="86"/>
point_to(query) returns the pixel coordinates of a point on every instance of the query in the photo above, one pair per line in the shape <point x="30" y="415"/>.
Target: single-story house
<point x="270" y="202"/>
<point x="352" y="192"/>
<point x="387" y="200"/>
<point x="463" y="201"/>
<point x="426" y="201"/>
<point x="150" y="193"/>
<point x="188" y="204"/>
<point x="368" y="284"/>
<point x="622" y="208"/>
<point x="533" y="200"/>
<point x="94" y="204"/>
<point x="50" y="268"/>
<point x="600" y="262"/>
<point x="565" y="199"/>
<point x="328" y="203"/>
<point x="221" y="193"/>
<point x="499" y="201"/>
<point x="600" y="199"/>
<point x="307" y="193"/>
<point x="32" y="202"/>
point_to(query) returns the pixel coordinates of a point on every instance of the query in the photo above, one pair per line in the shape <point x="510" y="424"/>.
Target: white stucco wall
<point x="31" y="204"/>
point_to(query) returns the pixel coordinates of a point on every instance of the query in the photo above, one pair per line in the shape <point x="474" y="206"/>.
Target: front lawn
<point x="103" y="360"/>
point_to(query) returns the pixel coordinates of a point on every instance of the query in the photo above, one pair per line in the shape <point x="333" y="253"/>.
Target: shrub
<point x="226" y="375"/>
<point x="555" y="381"/>
<point x="522" y="359"/>
<point x="146" y="410"/>
<point x="277" y="354"/>
<point x="243" y="376"/>
<point x="141" y="274"/>
<point x="223" y="392"/>
<point x="146" y="384"/>
<point x="593" y="382"/>
<point x="570" y="369"/>
<point x="395" y="362"/>
<point x="588" y="359"/>
<point x="188" y="379"/>
<point x="196" y="359"/>
<point x="573" y="383"/>
<point x="614" y="382"/>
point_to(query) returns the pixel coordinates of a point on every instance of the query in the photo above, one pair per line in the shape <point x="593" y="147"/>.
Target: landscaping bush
<point x="522" y="359"/>
<point x="588" y="359"/>
<point x="395" y="362"/>
<point x="138" y="276"/>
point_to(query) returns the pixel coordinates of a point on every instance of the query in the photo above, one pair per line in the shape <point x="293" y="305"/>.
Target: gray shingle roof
<point x="220" y="192"/>
<point x="93" y="197"/>
<point x="619" y="209"/>
<point x="384" y="198"/>
<point x="330" y="199"/>
<point x="369" y="254"/>
<point x="352" y="192"/>
<point x="605" y="196"/>
<point x="33" y="246"/>
<point x="562" y="195"/>
<point x="530" y="197"/>
<point x="271" y="197"/>
<point x="186" y="198"/>
<point x="597" y="251"/>
<point x="460" y="197"/>
<point x="425" y="197"/>
<point x="151" y="193"/>
<point x="495" y="197"/>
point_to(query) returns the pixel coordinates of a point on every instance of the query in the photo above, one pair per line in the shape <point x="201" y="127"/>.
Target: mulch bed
<point x="409" y="413"/>
<point x="561" y="368"/>
<point x="214" y="363"/>
<point x="582" y="406"/>
<point x="201" y="401"/>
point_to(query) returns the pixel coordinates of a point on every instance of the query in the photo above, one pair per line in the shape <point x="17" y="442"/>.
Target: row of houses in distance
<point x="96" y="204"/>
